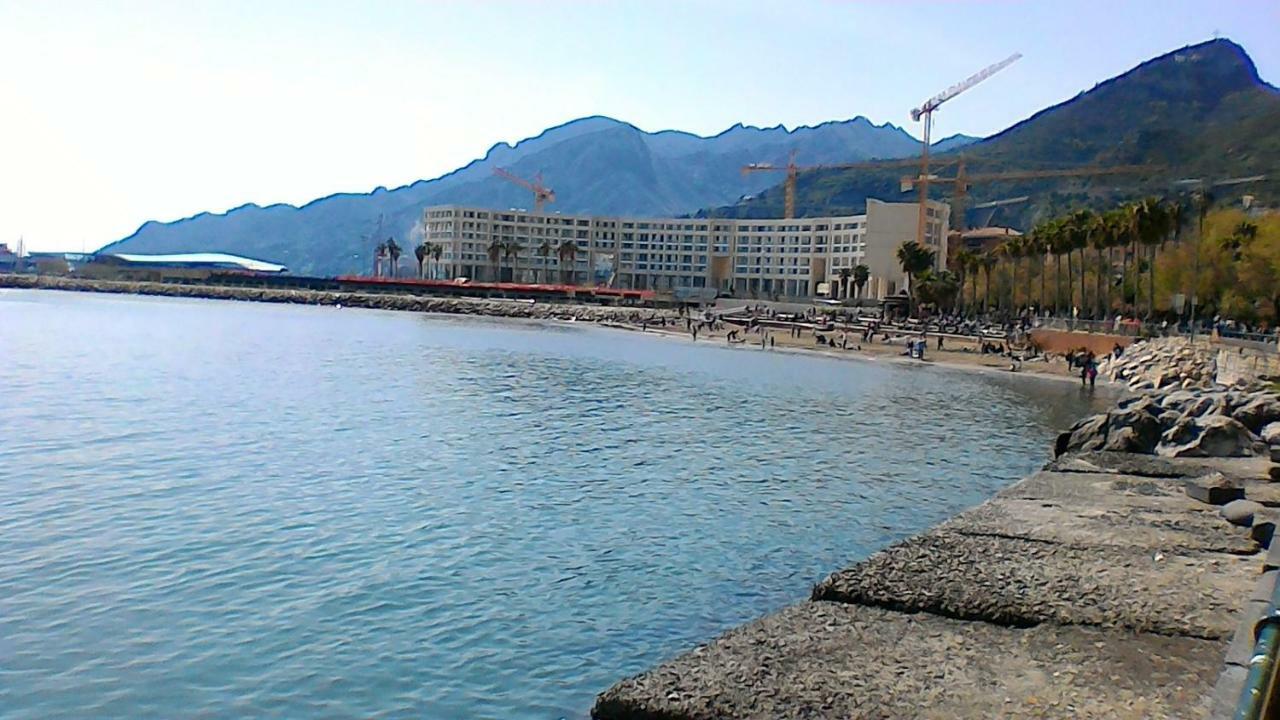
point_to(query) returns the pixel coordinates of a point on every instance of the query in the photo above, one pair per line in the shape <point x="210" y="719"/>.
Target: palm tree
<point x="964" y="263"/>
<point x="1100" y="239"/>
<point x="861" y="274"/>
<point x="1036" y="245"/>
<point x="436" y="251"/>
<point x="420" y="252"/>
<point x="567" y="254"/>
<point x="511" y="251"/>
<point x="915" y="260"/>
<point x="1009" y="250"/>
<point x="1055" y="232"/>
<point x="544" y="251"/>
<point x="988" y="262"/>
<point x="495" y="258"/>
<point x="1151" y="225"/>
<point x="1117" y="224"/>
<point x="973" y="263"/>
<point x="393" y="252"/>
<point x="938" y="288"/>
<point x="379" y="254"/>
<point x="1080" y="227"/>
<point x="842" y="288"/>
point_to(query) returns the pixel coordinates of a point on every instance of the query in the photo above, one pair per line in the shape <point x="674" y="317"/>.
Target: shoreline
<point x="961" y="361"/>
<point x="621" y="318"/>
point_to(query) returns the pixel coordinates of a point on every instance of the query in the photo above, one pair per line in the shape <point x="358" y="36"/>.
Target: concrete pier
<point x="1096" y="588"/>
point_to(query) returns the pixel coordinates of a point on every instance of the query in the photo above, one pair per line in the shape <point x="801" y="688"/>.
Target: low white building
<point x="749" y="258"/>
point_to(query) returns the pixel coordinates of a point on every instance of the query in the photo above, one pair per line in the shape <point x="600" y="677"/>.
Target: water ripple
<point x="214" y="509"/>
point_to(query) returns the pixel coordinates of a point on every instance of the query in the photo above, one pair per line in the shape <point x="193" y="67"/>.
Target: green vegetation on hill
<point x="1198" y="112"/>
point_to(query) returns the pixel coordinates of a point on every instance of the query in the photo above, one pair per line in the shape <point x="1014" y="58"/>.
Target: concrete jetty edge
<point x="1096" y="587"/>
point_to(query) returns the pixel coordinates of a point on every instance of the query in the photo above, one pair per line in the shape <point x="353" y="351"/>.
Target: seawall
<point x="379" y="301"/>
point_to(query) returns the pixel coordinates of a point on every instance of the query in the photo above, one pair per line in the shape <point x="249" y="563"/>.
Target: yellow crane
<point x="793" y="171"/>
<point x="925" y="111"/>
<point x="541" y="193"/>
<point x="962" y="180"/>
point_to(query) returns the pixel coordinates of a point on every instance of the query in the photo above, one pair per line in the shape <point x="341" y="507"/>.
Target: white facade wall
<point x="764" y="257"/>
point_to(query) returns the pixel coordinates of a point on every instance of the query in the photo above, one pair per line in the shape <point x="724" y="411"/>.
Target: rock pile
<point x="1183" y="423"/>
<point x="377" y="301"/>
<point x="1163" y="363"/>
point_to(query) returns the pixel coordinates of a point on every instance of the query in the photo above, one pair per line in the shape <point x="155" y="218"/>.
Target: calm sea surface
<point x="215" y="509"/>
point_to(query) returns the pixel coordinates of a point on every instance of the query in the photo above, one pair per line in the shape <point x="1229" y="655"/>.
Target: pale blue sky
<point x="119" y="112"/>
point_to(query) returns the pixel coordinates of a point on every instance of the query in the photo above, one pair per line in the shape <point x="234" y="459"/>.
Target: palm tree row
<point x="566" y="253"/>
<point x="427" y="251"/>
<point x="1137" y="231"/>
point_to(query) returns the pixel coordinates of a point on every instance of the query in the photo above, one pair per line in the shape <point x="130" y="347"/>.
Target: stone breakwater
<point x="1111" y="584"/>
<point x="378" y="301"/>
<point x="1179" y="411"/>
<point x="1161" y="364"/>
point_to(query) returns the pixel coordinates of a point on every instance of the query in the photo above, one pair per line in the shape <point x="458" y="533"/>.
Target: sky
<point x="119" y="112"/>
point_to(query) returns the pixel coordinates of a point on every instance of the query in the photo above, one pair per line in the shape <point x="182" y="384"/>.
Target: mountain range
<point x="1199" y="112"/>
<point x="595" y="165"/>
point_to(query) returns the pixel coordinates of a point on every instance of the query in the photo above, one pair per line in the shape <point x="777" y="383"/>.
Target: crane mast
<point x="925" y="112"/>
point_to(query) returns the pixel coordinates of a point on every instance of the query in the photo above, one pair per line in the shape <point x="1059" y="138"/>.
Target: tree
<point x="988" y="263"/>
<point x="861" y="274"/>
<point x="1241" y="237"/>
<point x="1151" y="225"/>
<point x="938" y="288"/>
<point x="511" y="251"/>
<point x="1059" y="244"/>
<point x="393" y="252"/>
<point x="495" y="258"/>
<point x="567" y="254"/>
<point x="1009" y="250"/>
<point x="965" y="264"/>
<point x="420" y="252"/>
<point x="544" y="251"/>
<point x="436" y="251"/>
<point x="1100" y="240"/>
<point x="915" y="259"/>
<point x="843" y="286"/>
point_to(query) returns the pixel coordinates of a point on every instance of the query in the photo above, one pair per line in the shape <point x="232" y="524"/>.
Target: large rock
<point x="1133" y="429"/>
<point x="1087" y="434"/>
<point x="1214" y="489"/>
<point x="1271" y="433"/>
<point x="1258" y="412"/>
<point x="1210" y="436"/>
<point x="1240" y="512"/>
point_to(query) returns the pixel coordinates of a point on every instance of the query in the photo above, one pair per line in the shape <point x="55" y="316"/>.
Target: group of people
<point x="1087" y="361"/>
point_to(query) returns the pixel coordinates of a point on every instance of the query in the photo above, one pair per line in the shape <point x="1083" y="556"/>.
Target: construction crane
<point x="925" y="111"/>
<point x="962" y="181"/>
<point x="541" y="193"/>
<point x="793" y="171"/>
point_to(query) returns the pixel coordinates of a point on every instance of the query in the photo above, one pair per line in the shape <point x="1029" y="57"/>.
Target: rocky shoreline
<point x="1122" y="580"/>
<point x="374" y="301"/>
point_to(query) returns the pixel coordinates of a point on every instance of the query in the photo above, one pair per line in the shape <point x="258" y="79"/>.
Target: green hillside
<point x="1201" y="111"/>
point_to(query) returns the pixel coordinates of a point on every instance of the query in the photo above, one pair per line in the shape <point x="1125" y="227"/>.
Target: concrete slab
<point x="1013" y="581"/>
<point x="1145" y="522"/>
<point x="827" y="660"/>
<point x="1247" y="468"/>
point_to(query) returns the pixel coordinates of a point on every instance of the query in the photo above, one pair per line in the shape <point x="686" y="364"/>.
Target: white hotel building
<point x="773" y="257"/>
